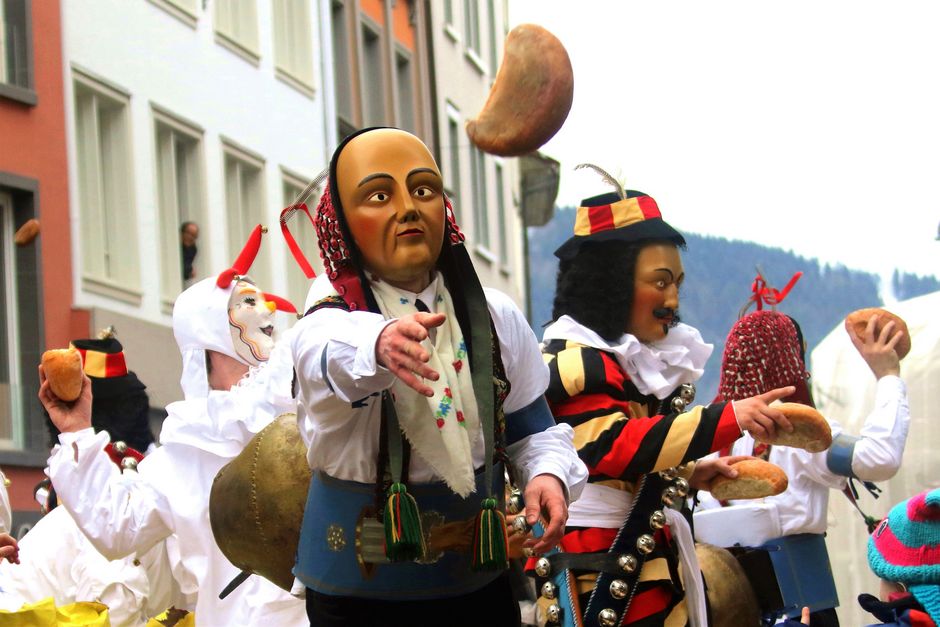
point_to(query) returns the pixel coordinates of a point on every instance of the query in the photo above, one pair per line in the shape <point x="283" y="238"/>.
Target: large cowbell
<point x="257" y="501"/>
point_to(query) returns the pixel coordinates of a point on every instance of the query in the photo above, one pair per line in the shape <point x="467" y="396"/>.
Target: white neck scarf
<point x="443" y="428"/>
<point x="656" y="368"/>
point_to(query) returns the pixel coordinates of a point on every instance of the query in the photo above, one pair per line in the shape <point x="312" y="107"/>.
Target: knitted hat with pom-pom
<point x="906" y="548"/>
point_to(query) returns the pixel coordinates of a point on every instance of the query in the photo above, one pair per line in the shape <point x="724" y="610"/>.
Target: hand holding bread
<point x="810" y="430"/>
<point x="66" y="415"/>
<point x="757" y="417"/>
<point x="755" y="479"/>
<point x="881" y="338"/>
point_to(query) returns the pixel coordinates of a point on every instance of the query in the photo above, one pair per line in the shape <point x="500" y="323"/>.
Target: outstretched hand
<point x="757" y="417"/>
<point x="707" y="470"/>
<point x="399" y="349"/>
<point x="66" y="416"/>
<point x="545" y="496"/>
<point x="878" y="352"/>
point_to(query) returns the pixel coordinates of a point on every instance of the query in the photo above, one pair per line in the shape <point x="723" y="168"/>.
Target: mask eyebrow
<point x="671" y="275"/>
<point x="371" y="177"/>
<point x="422" y="171"/>
<point x="247" y="291"/>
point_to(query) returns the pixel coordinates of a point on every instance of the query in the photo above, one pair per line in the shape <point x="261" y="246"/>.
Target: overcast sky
<point x="811" y="126"/>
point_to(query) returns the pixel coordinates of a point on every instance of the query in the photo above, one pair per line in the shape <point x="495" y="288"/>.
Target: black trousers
<point x="824" y="618"/>
<point x="492" y="605"/>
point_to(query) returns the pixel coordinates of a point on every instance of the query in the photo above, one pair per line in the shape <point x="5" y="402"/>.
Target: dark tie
<point x="421" y="306"/>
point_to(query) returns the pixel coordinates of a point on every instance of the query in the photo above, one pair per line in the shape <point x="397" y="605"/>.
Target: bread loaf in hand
<point x="756" y="479"/>
<point x="859" y="321"/>
<point x="63" y="368"/>
<point x="810" y="430"/>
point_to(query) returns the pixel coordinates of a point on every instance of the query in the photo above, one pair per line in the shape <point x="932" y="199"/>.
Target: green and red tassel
<point x="490" y="539"/>
<point x="404" y="538"/>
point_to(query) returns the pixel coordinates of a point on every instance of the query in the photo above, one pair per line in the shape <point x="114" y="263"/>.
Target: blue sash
<point x="341" y="552"/>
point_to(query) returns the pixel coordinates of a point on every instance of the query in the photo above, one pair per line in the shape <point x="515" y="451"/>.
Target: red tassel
<point x="245" y="259"/>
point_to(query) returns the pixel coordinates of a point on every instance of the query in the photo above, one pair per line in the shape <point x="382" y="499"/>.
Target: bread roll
<point x="26" y="233"/>
<point x="859" y="320"/>
<point x="810" y="430"/>
<point x="756" y="479"/>
<point x="63" y="368"/>
<point x="530" y="98"/>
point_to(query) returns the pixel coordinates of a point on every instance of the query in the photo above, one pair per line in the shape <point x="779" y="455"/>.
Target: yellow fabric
<point x="571" y="371"/>
<point x="623" y="213"/>
<point x="589" y="431"/>
<point x="187" y="621"/>
<point x="95" y="364"/>
<point x="45" y="614"/>
<point x="678" y="439"/>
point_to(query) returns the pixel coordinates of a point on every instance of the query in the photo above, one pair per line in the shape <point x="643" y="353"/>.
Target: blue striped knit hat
<point x="906" y="548"/>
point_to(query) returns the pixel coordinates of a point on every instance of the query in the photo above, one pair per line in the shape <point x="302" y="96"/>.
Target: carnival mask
<point x="251" y="318"/>
<point x="392" y="197"/>
<point x="657" y="278"/>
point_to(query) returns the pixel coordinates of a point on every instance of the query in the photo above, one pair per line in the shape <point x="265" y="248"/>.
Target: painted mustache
<point x="667" y="312"/>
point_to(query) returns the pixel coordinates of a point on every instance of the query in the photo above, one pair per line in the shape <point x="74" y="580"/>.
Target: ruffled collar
<point x="656" y="368"/>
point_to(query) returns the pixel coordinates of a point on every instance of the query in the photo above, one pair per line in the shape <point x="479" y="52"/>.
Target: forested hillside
<point x="719" y="274"/>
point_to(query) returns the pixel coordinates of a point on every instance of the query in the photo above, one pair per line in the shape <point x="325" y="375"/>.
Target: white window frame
<point x="453" y="179"/>
<point x="170" y="216"/>
<point x="481" y="218"/>
<point x="403" y="55"/>
<point x="242" y="39"/>
<point x="293" y="43"/>
<point x="186" y="11"/>
<point x="450" y="24"/>
<point x="471" y="29"/>
<point x="15" y="441"/>
<point x="368" y="119"/>
<point x="108" y="222"/>
<point x="305" y="236"/>
<point x="502" y="228"/>
<point x="3" y="43"/>
<point x="254" y="211"/>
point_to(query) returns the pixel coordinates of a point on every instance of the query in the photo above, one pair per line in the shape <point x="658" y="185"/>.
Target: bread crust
<point x="756" y="479"/>
<point x="530" y="98"/>
<point x="26" y="233"/>
<point x="63" y="368"/>
<point x="859" y="320"/>
<point x="811" y="430"/>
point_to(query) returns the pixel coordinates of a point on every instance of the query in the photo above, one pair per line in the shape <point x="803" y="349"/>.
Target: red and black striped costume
<point x="619" y="441"/>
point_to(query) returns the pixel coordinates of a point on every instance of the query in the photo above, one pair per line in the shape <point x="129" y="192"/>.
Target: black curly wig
<point x="596" y="286"/>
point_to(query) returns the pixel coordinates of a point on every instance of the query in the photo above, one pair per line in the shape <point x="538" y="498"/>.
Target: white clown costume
<point x="170" y="495"/>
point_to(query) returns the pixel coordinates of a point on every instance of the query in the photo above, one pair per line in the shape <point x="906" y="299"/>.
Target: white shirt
<point x="56" y="560"/>
<point x="169" y="496"/>
<point x="802" y="507"/>
<point x="339" y="382"/>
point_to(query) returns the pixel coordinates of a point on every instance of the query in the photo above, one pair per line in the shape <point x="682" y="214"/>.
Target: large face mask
<point x="392" y="196"/>
<point x="658" y="275"/>
<point x="251" y="319"/>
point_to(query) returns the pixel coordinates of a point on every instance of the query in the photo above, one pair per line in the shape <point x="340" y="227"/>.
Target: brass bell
<point x="669" y="474"/>
<point x="657" y="520"/>
<point x="619" y="589"/>
<point x="669" y="495"/>
<point x="687" y="392"/>
<point x="528" y="551"/>
<point x="519" y="525"/>
<point x="129" y="463"/>
<point x="553" y="613"/>
<point x="678" y="404"/>
<point x="627" y="563"/>
<point x="645" y="544"/>
<point x="120" y="447"/>
<point x="515" y="502"/>
<point x="549" y="590"/>
<point x="543" y="567"/>
<point x="607" y="618"/>
<point x="682" y="487"/>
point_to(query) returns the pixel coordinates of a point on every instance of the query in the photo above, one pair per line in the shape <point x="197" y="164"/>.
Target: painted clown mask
<point x="251" y="322"/>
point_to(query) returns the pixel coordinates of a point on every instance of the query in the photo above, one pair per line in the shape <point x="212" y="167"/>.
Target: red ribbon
<point x="763" y="294"/>
<point x="292" y="243"/>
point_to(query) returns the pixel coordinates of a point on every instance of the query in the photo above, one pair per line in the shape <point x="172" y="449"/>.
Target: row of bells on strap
<point x="127" y="463"/>
<point x="628" y="563"/>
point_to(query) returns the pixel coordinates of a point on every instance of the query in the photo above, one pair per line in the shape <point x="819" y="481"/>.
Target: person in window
<point x="189" y="233"/>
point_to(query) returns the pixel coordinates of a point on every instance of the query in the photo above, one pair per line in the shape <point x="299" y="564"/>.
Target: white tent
<point x="843" y="388"/>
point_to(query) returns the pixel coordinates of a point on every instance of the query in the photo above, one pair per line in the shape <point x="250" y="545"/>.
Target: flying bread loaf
<point x="530" y="97"/>
<point x="859" y="320"/>
<point x="810" y="430"/>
